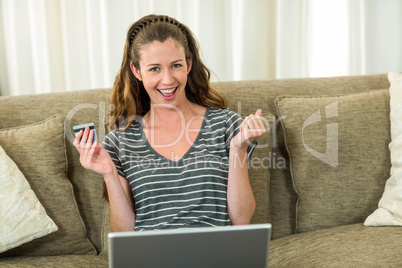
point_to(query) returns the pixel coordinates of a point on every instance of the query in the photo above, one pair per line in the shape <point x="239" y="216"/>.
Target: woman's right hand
<point x="92" y="155"/>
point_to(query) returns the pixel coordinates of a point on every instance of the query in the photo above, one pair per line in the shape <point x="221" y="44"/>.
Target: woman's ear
<point x="189" y="65"/>
<point x="136" y="72"/>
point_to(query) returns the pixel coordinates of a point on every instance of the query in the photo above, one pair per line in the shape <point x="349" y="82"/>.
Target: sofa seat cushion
<point x="345" y="246"/>
<point x="65" y="261"/>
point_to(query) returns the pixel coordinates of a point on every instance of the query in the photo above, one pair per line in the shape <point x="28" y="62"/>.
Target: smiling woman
<point x="173" y="157"/>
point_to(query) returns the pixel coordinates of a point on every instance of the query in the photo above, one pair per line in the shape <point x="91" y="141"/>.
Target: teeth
<point x="167" y="91"/>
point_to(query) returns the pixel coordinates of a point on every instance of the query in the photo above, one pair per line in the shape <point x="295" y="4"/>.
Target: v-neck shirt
<point x="190" y="192"/>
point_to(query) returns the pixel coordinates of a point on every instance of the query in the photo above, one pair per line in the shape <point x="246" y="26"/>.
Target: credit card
<point x="78" y="128"/>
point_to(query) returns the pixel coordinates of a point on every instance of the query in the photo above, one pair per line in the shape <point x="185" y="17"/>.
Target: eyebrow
<point x="157" y="64"/>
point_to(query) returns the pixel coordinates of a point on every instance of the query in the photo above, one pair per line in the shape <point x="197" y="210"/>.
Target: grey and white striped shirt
<point x="187" y="193"/>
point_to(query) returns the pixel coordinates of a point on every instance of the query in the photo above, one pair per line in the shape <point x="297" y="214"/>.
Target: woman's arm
<point x="94" y="157"/>
<point x="240" y="198"/>
<point x="122" y="216"/>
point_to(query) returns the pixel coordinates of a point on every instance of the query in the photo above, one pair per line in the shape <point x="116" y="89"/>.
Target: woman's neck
<point x="172" y="116"/>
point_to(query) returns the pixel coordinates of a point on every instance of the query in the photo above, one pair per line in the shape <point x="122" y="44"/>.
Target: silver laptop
<point x="231" y="246"/>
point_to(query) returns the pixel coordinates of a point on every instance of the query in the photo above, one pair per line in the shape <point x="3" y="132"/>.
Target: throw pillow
<point x="39" y="152"/>
<point x="389" y="211"/>
<point x="339" y="158"/>
<point x="22" y="216"/>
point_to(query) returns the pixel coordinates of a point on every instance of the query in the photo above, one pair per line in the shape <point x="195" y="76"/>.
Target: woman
<point x="176" y="157"/>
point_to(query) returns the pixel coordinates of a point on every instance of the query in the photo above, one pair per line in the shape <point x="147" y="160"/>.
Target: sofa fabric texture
<point x="39" y="152"/>
<point x="344" y="246"/>
<point x="337" y="146"/>
<point x="65" y="261"/>
<point x="273" y="183"/>
<point x="245" y="96"/>
<point x="75" y="108"/>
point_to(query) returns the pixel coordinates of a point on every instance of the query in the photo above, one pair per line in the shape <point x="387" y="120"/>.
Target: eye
<point x="177" y="65"/>
<point x="154" y="69"/>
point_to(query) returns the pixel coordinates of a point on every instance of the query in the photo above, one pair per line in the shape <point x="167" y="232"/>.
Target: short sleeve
<point x="232" y="128"/>
<point x="111" y="144"/>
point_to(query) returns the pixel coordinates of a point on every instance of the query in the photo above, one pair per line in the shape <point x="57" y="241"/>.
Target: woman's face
<point x="163" y="72"/>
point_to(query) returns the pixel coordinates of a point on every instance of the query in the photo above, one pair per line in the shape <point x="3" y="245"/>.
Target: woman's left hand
<point x="251" y="128"/>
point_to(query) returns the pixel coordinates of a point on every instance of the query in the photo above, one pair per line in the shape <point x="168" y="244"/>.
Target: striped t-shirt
<point x="187" y="193"/>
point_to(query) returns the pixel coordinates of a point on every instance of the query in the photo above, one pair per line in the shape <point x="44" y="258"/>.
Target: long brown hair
<point x="129" y="97"/>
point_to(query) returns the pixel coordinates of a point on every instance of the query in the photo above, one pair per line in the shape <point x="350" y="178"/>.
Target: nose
<point x="167" y="77"/>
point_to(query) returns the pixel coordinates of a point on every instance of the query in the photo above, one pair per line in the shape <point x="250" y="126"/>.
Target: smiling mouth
<point x="168" y="92"/>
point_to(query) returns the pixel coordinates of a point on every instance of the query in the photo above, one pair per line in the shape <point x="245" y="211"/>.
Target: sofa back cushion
<point x="39" y="152"/>
<point x="246" y="96"/>
<point x="243" y="97"/>
<point x="339" y="157"/>
<point x="75" y="108"/>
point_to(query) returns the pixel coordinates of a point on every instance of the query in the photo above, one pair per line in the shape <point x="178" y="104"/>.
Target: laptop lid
<point x="230" y="246"/>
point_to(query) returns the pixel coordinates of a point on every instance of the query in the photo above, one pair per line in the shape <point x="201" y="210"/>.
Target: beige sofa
<point x="316" y="198"/>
